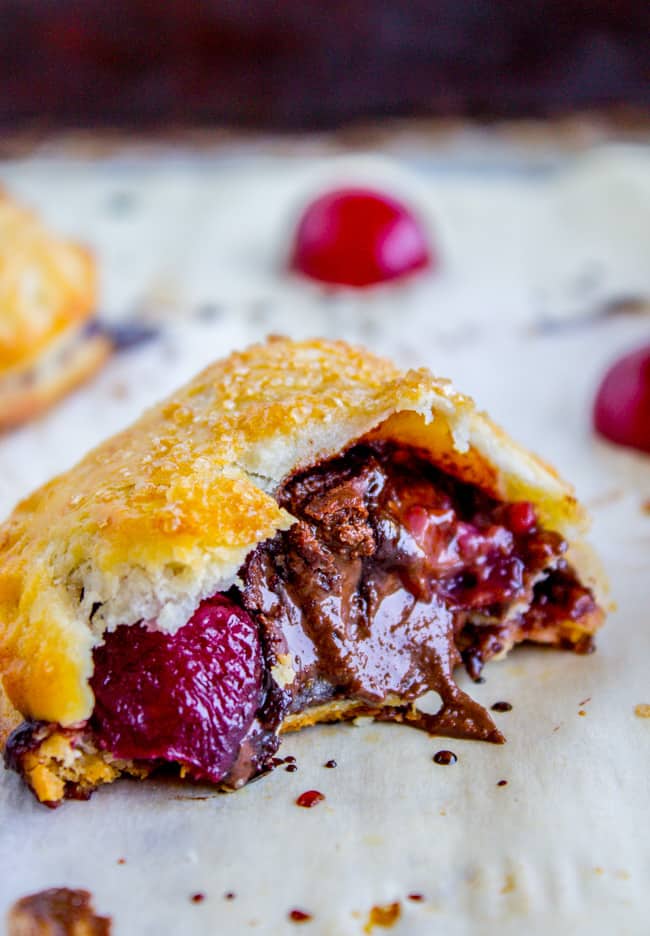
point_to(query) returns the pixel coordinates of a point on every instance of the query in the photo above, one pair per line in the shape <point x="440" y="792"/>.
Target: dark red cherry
<point x="357" y="237"/>
<point x="521" y="517"/>
<point x="187" y="698"/>
<point x="622" y="407"/>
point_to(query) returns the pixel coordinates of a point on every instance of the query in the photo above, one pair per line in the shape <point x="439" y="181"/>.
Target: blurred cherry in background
<point x="622" y="406"/>
<point x="359" y="237"/>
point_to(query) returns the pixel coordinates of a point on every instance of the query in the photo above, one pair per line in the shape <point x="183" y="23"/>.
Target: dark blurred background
<point x="300" y="65"/>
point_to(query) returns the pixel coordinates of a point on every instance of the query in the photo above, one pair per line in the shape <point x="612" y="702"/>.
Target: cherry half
<point x="622" y="406"/>
<point x="187" y="698"/>
<point x="358" y="237"/>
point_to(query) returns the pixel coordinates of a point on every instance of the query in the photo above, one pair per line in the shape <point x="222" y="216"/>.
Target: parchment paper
<point x="529" y="264"/>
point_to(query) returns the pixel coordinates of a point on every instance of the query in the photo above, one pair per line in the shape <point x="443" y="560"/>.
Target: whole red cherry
<point x="187" y="697"/>
<point x="622" y="406"/>
<point x="358" y="237"/>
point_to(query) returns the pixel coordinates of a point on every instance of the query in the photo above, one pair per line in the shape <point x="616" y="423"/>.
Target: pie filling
<point x="393" y="573"/>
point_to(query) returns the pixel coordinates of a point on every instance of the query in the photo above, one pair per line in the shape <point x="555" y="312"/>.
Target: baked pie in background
<point x="49" y="343"/>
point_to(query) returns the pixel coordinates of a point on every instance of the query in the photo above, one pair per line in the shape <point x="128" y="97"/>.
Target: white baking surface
<point x="529" y="260"/>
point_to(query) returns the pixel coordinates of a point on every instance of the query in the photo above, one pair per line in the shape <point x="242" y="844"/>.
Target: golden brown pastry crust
<point x="39" y="389"/>
<point x="164" y="513"/>
<point x="48" y="289"/>
<point x="46" y="285"/>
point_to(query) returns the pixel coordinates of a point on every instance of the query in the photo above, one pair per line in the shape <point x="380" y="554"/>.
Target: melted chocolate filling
<point x="368" y="594"/>
<point x="393" y="572"/>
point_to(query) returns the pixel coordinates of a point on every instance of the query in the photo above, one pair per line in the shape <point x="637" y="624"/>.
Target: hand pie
<point x="47" y="295"/>
<point x="303" y="533"/>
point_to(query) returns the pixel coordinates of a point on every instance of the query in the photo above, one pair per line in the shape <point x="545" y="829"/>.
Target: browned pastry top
<point x="48" y="287"/>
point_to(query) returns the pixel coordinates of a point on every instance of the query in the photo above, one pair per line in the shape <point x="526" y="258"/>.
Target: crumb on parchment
<point x="58" y="911"/>
<point x="383" y="915"/>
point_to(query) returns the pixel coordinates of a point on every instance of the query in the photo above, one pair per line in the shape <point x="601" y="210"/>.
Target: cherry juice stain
<point x="310" y="798"/>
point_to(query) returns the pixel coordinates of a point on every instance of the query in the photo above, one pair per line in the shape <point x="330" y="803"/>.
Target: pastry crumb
<point x="642" y="710"/>
<point x="509" y="884"/>
<point x="58" y="910"/>
<point x="384" y="916"/>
